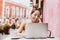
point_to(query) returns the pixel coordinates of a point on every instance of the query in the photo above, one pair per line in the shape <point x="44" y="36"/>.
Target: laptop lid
<point x="36" y="30"/>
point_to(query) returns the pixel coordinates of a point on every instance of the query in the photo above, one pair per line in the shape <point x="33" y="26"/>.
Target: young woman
<point x="35" y="18"/>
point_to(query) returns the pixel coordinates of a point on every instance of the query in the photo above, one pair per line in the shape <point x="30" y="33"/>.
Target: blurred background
<point x="12" y="10"/>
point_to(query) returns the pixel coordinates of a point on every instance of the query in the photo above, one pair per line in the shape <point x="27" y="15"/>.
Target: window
<point x="36" y="1"/>
<point x="21" y="15"/>
<point x="24" y="14"/>
<point x="17" y="12"/>
<point x="7" y="11"/>
<point x="13" y="11"/>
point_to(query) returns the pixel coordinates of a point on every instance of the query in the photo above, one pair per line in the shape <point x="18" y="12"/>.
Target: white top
<point x="29" y="21"/>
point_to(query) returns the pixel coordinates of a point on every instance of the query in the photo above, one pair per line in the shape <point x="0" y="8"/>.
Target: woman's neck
<point x="34" y="21"/>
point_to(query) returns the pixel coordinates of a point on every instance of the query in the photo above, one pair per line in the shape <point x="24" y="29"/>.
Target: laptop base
<point x="35" y="37"/>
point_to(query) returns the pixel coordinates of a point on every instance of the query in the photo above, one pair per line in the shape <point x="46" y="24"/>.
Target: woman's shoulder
<point x="28" y="21"/>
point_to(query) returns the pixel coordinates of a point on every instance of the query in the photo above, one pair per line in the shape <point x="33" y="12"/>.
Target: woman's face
<point x="35" y="16"/>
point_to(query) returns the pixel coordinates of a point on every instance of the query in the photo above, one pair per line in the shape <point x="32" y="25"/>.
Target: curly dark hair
<point x="39" y="9"/>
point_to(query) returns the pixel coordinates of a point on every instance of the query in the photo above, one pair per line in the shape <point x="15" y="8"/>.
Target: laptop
<point x="36" y="30"/>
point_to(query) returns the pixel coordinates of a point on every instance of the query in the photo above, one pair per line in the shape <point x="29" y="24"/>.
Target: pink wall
<point x="51" y="15"/>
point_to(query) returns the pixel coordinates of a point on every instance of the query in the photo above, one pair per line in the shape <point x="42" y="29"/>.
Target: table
<point x="39" y="39"/>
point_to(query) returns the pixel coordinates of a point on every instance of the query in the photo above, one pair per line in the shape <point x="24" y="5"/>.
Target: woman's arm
<point x="22" y="26"/>
<point x="40" y="21"/>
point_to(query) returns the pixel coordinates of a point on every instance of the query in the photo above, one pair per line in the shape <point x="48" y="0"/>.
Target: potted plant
<point x="6" y="29"/>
